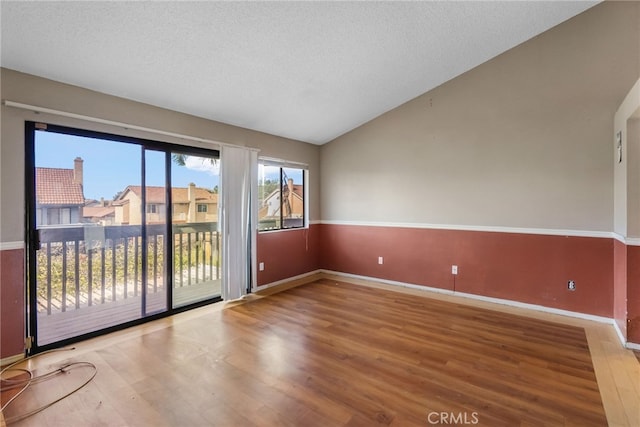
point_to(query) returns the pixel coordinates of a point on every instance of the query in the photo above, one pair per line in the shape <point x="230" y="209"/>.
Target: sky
<point x="109" y="167"/>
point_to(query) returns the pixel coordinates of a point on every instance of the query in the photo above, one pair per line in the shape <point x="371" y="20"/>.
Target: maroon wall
<point x="12" y="302"/>
<point x="633" y="294"/>
<point x="528" y="268"/>
<point x="287" y="253"/>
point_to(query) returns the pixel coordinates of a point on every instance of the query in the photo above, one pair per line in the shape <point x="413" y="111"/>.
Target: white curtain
<point x="238" y="217"/>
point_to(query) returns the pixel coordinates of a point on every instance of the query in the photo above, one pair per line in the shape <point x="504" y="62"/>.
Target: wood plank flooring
<point x="338" y="354"/>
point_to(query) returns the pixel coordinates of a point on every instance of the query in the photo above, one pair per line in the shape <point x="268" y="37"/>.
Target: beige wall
<point x="181" y="213"/>
<point x="626" y="172"/>
<point x="523" y="140"/>
<point x="32" y="90"/>
<point x="633" y="174"/>
<point x="132" y="209"/>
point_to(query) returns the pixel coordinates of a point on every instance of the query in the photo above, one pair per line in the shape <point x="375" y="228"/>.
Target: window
<point x="281" y="197"/>
<point x="65" y="216"/>
<point x="53" y="216"/>
<point x="152" y="208"/>
<point x="56" y="216"/>
<point x="202" y="208"/>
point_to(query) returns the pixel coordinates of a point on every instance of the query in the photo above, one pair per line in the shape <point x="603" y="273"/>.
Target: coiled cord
<point x="24" y="384"/>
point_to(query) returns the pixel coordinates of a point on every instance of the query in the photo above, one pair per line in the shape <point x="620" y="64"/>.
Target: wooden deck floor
<point x="75" y="322"/>
<point x="337" y="354"/>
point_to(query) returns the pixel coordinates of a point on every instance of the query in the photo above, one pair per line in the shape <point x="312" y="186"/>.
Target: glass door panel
<point x="88" y="254"/>
<point x="155" y="220"/>
<point x="196" y="238"/>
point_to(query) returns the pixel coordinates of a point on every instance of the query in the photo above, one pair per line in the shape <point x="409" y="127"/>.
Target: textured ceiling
<point x="310" y="71"/>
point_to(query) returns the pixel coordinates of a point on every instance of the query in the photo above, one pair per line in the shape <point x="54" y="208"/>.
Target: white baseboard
<point x="633" y="346"/>
<point x="283" y="281"/>
<point x="11" y="359"/>
<point x="390" y="282"/>
<point x="510" y="303"/>
<point x="541" y="308"/>
<point x="621" y="337"/>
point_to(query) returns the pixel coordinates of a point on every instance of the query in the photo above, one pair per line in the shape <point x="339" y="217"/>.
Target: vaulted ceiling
<point x="305" y="70"/>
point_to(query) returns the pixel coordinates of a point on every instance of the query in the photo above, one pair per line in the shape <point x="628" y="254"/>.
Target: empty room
<point x="311" y="213"/>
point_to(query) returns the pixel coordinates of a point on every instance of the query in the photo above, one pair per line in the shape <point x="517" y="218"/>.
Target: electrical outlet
<point x="571" y="285"/>
<point x="380" y="260"/>
<point x="261" y="266"/>
<point x="454" y="270"/>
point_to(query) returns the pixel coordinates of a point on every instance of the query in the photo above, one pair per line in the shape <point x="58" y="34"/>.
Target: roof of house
<point x="178" y="195"/>
<point x="298" y="190"/>
<point x="98" y="211"/>
<point x="55" y="186"/>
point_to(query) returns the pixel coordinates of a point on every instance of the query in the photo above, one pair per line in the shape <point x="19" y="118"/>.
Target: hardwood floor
<point x="337" y="354"/>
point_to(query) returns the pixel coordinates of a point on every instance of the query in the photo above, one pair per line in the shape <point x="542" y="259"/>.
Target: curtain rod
<point x="37" y="109"/>
<point x="283" y="161"/>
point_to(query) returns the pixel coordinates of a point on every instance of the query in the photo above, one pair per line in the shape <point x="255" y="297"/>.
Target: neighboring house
<point x="194" y="204"/>
<point x="59" y="195"/>
<point x="292" y="204"/>
<point x="99" y="212"/>
<point x="191" y="204"/>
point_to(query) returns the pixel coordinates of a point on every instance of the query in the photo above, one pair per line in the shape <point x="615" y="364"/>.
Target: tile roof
<point x="56" y="187"/>
<point x="98" y="211"/>
<point x="298" y="190"/>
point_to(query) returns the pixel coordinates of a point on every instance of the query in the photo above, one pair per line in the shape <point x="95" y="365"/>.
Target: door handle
<point x="35" y="240"/>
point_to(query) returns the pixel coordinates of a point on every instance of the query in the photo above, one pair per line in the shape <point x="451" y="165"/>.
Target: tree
<point x="181" y="159"/>
<point x="267" y="187"/>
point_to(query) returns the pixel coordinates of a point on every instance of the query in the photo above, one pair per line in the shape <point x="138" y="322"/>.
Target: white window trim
<point x="271" y="161"/>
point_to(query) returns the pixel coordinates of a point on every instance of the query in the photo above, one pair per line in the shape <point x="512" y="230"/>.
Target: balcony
<point x="92" y="277"/>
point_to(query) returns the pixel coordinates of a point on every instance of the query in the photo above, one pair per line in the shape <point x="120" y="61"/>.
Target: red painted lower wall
<point x="633" y="294"/>
<point x="532" y="269"/>
<point x="528" y="268"/>
<point x="12" y="303"/>
<point x="287" y="253"/>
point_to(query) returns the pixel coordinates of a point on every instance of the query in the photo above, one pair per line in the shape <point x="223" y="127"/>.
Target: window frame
<point x="32" y="214"/>
<point x="281" y="164"/>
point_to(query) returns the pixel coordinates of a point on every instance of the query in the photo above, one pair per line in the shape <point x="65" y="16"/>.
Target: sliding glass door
<point x="120" y="229"/>
<point x="196" y="240"/>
